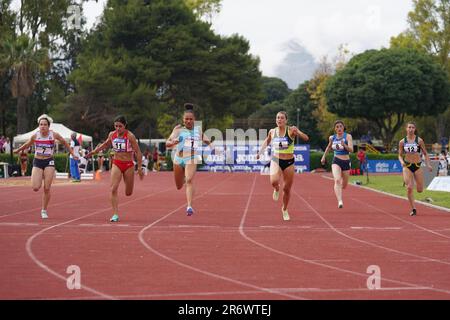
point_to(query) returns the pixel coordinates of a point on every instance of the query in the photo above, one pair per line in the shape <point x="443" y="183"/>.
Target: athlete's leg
<point x="116" y="176"/>
<point x="345" y="177"/>
<point x="190" y="171"/>
<point x="178" y="172"/>
<point x="128" y="178"/>
<point x="275" y="175"/>
<point x="288" y="177"/>
<point x="418" y="177"/>
<point x="408" y="177"/>
<point x="37" y="176"/>
<point x="49" y="175"/>
<point x="338" y="181"/>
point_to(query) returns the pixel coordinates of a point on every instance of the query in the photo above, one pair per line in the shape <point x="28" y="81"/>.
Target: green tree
<point x="385" y="85"/>
<point x="300" y="101"/>
<point x="24" y="61"/>
<point x="205" y="8"/>
<point x="429" y="31"/>
<point x="147" y="60"/>
<point x="43" y="23"/>
<point x="264" y="118"/>
<point x="7" y="26"/>
<point x="323" y="118"/>
<point x="274" y="89"/>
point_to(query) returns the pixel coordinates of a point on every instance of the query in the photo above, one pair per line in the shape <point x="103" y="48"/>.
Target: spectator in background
<point x="444" y="143"/>
<point x="2" y="141"/>
<point x="145" y="161"/>
<point x="7" y="146"/>
<point x="75" y="147"/>
<point x="362" y="157"/>
<point x="23" y="160"/>
<point x="100" y="157"/>
<point x="83" y="165"/>
<point x="443" y="164"/>
<point x="155" y="159"/>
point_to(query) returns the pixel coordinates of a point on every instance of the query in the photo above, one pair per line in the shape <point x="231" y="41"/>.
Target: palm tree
<point x="24" y="61"/>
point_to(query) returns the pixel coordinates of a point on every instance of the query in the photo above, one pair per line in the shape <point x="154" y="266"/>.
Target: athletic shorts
<point x="43" y="163"/>
<point x="413" y="167"/>
<point x="123" y="165"/>
<point x="345" y="165"/>
<point x="284" y="164"/>
<point x="187" y="160"/>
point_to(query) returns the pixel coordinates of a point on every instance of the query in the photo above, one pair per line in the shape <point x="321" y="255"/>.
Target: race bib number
<point x="281" y="144"/>
<point x="119" y="145"/>
<point x="411" y="148"/>
<point x="190" y="143"/>
<point x="44" y="150"/>
<point x="337" y="146"/>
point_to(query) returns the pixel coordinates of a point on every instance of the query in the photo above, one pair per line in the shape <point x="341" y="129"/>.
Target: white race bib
<point x="190" y="143"/>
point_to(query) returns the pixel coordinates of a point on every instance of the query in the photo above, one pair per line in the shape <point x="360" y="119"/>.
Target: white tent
<point x="56" y="127"/>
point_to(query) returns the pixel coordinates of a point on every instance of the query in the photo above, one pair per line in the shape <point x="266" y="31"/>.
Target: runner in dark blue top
<point x="342" y="144"/>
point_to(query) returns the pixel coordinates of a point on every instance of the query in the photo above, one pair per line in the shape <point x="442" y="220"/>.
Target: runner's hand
<point x="141" y="173"/>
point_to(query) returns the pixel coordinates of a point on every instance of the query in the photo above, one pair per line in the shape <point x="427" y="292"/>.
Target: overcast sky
<point x="319" y="25"/>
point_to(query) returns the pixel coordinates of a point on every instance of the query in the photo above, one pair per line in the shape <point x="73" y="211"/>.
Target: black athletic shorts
<point x="345" y="165"/>
<point x="43" y="163"/>
<point x="413" y="167"/>
<point x="284" y="164"/>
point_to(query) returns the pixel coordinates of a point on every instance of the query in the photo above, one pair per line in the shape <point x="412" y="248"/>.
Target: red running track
<point x="235" y="247"/>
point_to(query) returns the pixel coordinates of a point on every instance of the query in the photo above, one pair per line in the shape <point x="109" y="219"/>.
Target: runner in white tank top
<point x="44" y="163"/>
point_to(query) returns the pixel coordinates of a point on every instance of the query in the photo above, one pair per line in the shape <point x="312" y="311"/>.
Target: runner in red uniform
<point x="124" y="145"/>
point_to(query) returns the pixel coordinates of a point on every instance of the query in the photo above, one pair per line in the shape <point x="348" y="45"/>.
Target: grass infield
<point x="394" y="184"/>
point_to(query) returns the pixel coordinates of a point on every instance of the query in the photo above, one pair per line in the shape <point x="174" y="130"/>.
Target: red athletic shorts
<point x="123" y="165"/>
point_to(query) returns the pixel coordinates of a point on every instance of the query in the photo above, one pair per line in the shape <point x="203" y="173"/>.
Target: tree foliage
<point x="25" y="62"/>
<point x="204" y="8"/>
<point x="145" y="61"/>
<point x="274" y="89"/>
<point x="429" y="31"/>
<point x="385" y="85"/>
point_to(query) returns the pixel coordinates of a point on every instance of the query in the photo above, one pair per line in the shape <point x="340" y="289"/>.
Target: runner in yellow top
<point x="282" y="140"/>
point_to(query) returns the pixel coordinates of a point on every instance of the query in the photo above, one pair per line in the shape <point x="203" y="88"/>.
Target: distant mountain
<point x="298" y="66"/>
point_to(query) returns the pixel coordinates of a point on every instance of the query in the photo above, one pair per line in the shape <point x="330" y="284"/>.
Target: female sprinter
<point x="342" y="144"/>
<point x="44" y="163"/>
<point x="282" y="141"/>
<point x="409" y="150"/>
<point x="124" y="145"/>
<point x="187" y="139"/>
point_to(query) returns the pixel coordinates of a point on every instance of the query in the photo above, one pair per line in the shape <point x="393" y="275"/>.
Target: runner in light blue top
<point x="188" y="140"/>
